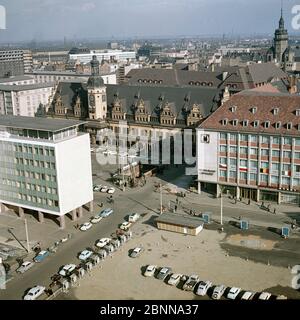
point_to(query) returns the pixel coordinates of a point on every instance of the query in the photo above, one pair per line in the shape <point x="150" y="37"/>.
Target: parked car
<point x="97" y="188"/>
<point x="163" y="273"/>
<point x="264" y="296"/>
<point x="111" y="190"/>
<point x="150" y="271"/>
<point x="125" y="225"/>
<point x="174" y="279"/>
<point x="248" y="295"/>
<point x="233" y="293"/>
<point x="104" y="189"/>
<point x="34" y="293"/>
<point x="133" y="217"/>
<point x="85" y="254"/>
<point x="218" y="292"/>
<point x="203" y="287"/>
<point x="136" y="252"/>
<point x="86" y="226"/>
<point x="67" y="270"/>
<point x="102" y="242"/>
<point x="109" y="248"/>
<point x="96" y="219"/>
<point x="25" y="266"/>
<point x="106" y="212"/>
<point x="190" y="283"/>
<point x="41" y="256"/>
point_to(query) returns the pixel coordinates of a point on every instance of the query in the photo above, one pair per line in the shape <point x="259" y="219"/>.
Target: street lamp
<point x="161" y="203"/>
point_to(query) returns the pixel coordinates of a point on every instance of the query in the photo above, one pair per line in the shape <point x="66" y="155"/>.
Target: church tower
<point x="96" y="93"/>
<point x="281" y="40"/>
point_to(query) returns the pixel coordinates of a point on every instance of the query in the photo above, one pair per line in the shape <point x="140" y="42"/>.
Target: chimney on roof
<point x="292" y="86"/>
<point x="224" y="75"/>
<point x="212" y="67"/>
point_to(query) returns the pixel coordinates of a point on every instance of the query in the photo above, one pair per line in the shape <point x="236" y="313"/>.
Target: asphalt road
<point x="67" y="253"/>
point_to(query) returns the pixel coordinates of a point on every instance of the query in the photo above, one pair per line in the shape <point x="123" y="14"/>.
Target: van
<point x="133" y="217"/>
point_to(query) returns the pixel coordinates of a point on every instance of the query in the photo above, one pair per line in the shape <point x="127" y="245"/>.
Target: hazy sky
<point x="54" y="19"/>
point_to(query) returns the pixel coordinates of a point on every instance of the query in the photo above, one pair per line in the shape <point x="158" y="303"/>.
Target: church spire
<point x="281" y="21"/>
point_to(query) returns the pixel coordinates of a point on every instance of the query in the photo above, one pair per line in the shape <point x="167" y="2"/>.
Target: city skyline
<point x="31" y="19"/>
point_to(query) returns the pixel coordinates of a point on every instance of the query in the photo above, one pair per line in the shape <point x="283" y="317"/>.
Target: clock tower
<point x="96" y="93"/>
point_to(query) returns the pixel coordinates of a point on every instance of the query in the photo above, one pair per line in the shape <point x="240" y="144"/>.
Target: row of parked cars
<point x="201" y="288"/>
<point x="104" y="189"/>
<point x="96" y="219"/>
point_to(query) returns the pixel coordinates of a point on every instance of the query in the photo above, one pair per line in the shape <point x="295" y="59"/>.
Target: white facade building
<point x="45" y="166"/>
<point x="56" y="76"/>
<point x="24" y="100"/>
<point x="108" y="55"/>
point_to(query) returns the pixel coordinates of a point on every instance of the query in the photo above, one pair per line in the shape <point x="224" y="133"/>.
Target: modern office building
<point x="58" y="76"/>
<point x="45" y="166"/>
<point x="15" y="62"/>
<point x="24" y="100"/>
<point x="250" y="147"/>
<point x="107" y="55"/>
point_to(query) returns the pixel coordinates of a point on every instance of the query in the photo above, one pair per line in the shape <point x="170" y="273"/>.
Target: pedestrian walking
<point x="274" y="210"/>
<point x="249" y="202"/>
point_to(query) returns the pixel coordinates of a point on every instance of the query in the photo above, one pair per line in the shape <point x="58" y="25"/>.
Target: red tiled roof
<point x="265" y="104"/>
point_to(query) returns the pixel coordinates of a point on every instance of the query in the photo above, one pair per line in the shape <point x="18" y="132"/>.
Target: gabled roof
<point x="265" y="103"/>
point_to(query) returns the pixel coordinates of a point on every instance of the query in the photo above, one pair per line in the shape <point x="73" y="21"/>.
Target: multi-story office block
<point x="24" y="100"/>
<point x="250" y="147"/>
<point x="45" y="166"/>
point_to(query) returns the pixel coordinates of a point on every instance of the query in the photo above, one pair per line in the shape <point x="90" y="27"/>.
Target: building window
<point x="286" y="181"/>
<point x="224" y="122"/>
<point x="264" y="178"/>
<point x="274" y="179"/>
<point x="275" y="111"/>
<point x="287" y="141"/>
<point x="244" y="150"/>
<point x="287" y="154"/>
<point x="253" y="176"/>
<point x="265" y="139"/>
<point x="233" y="174"/>
<point x="256" y="124"/>
<point x="235" y="122"/>
<point x="233" y="108"/>
<point x="276" y="153"/>
<point x="267" y="124"/>
<point x="245" y="123"/>
<point x="253" y="138"/>
<point x="233" y="162"/>
<point x="265" y="152"/>
<point x="254" y="110"/>
<point x="223" y="148"/>
<point x="233" y="137"/>
<point x="243" y="175"/>
<point x="233" y="149"/>
<point x="223" y="136"/>
<point x="223" y="174"/>
<point x="254" y="151"/>
<point x="278" y="125"/>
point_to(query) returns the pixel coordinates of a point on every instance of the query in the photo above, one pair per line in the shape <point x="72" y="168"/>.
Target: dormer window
<point x="298" y="112"/>
<point x="233" y="109"/>
<point x="275" y="111"/>
<point x="278" y="125"/>
<point x="224" y="122"/>
<point x="267" y="125"/>
<point x="256" y="124"/>
<point x="254" y="110"/>
<point x="235" y="122"/>
<point x="245" y="123"/>
<point x="289" y="126"/>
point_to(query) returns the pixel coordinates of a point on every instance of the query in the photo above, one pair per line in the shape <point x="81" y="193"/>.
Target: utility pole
<point x="221" y="209"/>
<point x="161" y="202"/>
<point x="27" y="238"/>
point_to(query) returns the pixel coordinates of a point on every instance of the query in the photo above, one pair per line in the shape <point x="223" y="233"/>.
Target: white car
<point x="111" y="190"/>
<point x="125" y="225"/>
<point x="96" y="219"/>
<point x="203" y="287"/>
<point x="150" y="271"/>
<point x="233" y="293"/>
<point x="174" y="279"/>
<point x="264" y="296"/>
<point x="67" y="269"/>
<point x="218" y="292"/>
<point x="25" y="266"/>
<point x="85" y="254"/>
<point x="34" y="293"/>
<point x="104" y="189"/>
<point x="102" y="242"/>
<point x="86" y="226"/>
<point x="248" y="295"/>
<point x="97" y="187"/>
<point x="133" y="217"/>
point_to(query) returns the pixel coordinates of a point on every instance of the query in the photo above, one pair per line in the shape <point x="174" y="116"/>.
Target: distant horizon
<point x="52" y="20"/>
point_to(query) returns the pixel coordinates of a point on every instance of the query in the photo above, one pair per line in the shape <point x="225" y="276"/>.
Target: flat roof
<point x="16" y="78"/>
<point x="36" y="123"/>
<point x="180" y="220"/>
<point x="26" y="87"/>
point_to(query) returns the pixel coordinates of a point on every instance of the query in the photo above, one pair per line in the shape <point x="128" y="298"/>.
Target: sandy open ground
<point x="120" y="277"/>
